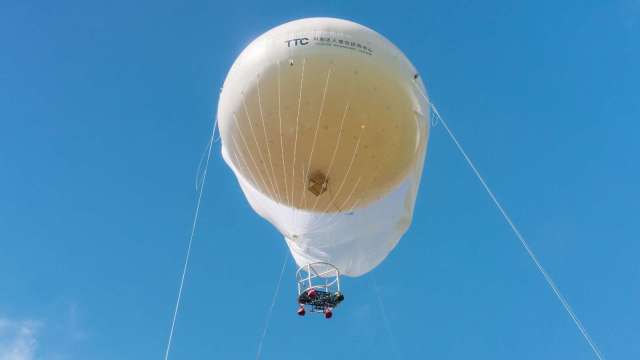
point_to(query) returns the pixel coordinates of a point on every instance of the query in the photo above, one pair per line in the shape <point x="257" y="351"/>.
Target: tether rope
<point x="273" y="304"/>
<point x="385" y="320"/>
<point x="524" y="243"/>
<point x="193" y="231"/>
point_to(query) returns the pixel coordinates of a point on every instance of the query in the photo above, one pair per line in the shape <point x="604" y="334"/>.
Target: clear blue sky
<point x="105" y="109"/>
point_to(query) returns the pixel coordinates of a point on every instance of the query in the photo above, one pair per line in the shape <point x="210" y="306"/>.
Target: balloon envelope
<point x="323" y="124"/>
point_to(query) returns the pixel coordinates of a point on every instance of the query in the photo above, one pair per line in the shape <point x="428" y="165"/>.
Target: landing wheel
<point x="328" y="313"/>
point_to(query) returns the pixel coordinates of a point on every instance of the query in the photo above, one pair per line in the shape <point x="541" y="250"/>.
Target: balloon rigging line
<point x="238" y="156"/>
<point x="346" y="176"/>
<point x="315" y="135"/>
<point x="303" y="179"/>
<point x="338" y="143"/>
<point x="273" y="304"/>
<point x="331" y="163"/>
<point x="524" y="243"/>
<point x="295" y="145"/>
<point x="305" y="175"/>
<point x="193" y="231"/>
<point x="246" y="146"/>
<point x="266" y="139"/>
<point x="332" y="221"/>
<point x="346" y="201"/>
<point x="385" y="320"/>
<point x="335" y="149"/>
<point x="255" y="140"/>
<point x="344" y="180"/>
<point x="284" y="166"/>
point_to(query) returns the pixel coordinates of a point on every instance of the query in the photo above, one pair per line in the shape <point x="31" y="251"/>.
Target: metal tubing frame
<point x="306" y="274"/>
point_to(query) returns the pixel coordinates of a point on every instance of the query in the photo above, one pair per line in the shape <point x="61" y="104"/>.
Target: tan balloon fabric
<point x="351" y="127"/>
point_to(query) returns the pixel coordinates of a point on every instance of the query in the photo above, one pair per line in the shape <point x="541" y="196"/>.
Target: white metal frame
<point x="318" y="275"/>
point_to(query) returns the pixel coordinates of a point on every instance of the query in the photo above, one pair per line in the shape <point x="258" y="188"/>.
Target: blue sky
<point x="105" y="110"/>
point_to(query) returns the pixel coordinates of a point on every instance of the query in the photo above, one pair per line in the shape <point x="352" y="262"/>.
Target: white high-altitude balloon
<point x="324" y="126"/>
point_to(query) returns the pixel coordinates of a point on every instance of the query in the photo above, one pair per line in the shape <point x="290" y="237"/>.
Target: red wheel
<point x="301" y="311"/>
<point x="328" y="313"/>
<point x="311" y="293"/>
